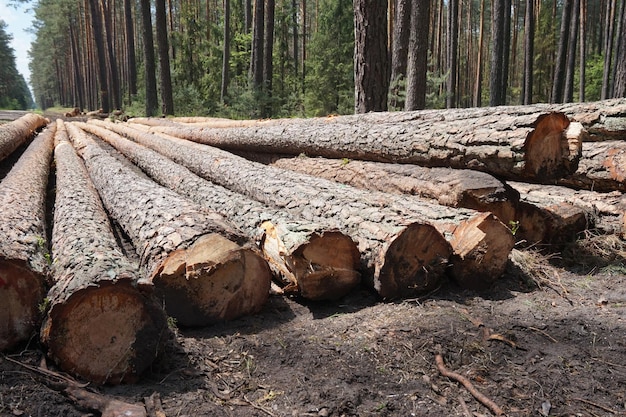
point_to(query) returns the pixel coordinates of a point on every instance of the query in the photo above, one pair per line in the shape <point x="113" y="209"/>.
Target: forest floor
<point x="549" y="339"/>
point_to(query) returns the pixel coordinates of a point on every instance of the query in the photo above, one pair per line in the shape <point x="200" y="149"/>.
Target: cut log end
<point x="551" y="150"/>
<point x="21" y="292"/>
<point x="326" y="267"/>
<point x="414" y="263"/>
<point x="481" y="251"/>
<point x="130" y="329"/>
<point x="212" y="281"/>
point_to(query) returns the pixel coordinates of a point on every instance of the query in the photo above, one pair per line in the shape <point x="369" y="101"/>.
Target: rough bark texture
<point x="325" y="198"/>
<point x="192" y="255"/>
<point x="601" y="168"/>
<point x="318" y="261"/>
<point x="604" y="211"/>
<point x="101" y="325"/>
<point x="23" y="243"/>
<point x="474" y="237"/>
<point x="14" y="133"/>
<point x="536" y="146"/>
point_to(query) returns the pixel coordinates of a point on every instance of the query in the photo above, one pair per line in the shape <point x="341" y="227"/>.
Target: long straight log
<point x="194" y="258"/>
<point x="480" y="242"/>
<point x="103" y="324"/>
<point x="23" y="242"/>
<point x="317" y="261"/>
<point x="601" y="168"/>
<point x="538" y="147"/>
<point x="15" y="133"/>
<point x="401" y="256"/>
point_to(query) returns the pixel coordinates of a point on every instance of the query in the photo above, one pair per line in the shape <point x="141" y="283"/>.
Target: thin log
<point x="314" y="260"/>
<point x="24" y="245"/>
<point x="602" y="168"/>
<point x="15" y="133"/>
<point x="453" y="188"/>
<point x="194" y="258"/>
<point x="538" y="146"/>
<point x="481" y="241"/>
<point x="604" y="211"/>
<point x="102" y="323"/>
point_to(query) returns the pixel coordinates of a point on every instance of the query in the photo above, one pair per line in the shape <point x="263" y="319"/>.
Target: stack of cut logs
<point x="199" y="219"/>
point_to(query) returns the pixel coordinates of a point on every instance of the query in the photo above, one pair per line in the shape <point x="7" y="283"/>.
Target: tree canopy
<point x="14" y="92"/>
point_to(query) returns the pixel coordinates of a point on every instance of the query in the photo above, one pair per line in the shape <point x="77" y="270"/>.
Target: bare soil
<point x="549" y="339"/>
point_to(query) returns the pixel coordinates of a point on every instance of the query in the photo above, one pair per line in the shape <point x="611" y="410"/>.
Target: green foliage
<point x="330" y="74"/>
<point x="14" y="93"/>
<point x="594" y="69"/>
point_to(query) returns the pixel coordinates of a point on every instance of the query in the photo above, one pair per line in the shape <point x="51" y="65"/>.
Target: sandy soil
<point x="548" y="340"/>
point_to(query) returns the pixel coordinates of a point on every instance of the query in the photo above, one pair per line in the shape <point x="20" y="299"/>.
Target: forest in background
<point x="281" y="58"/>
<point x="14" y="93"/>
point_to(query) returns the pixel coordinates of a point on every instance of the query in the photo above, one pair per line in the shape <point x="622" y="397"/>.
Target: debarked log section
<point x="23" y="242"/>
<point x="15" y="133"/>
<point x="102" y="323"/>
<point x="539" y="147"/>
<point x="200" y="265"/>
<point x="314" y="260"/>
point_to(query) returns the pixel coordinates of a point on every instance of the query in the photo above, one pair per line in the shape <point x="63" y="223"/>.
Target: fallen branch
<point x="441" y="367"/>
<point x="601" y="407"/>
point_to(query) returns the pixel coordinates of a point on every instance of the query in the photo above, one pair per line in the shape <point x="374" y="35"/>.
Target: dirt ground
<point x="548" y="340"/>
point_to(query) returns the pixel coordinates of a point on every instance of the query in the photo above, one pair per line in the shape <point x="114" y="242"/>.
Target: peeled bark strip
<point x="483" y="242"/>
<point x="14" y="133"/>
<point x="317" y="261"/>
<point x="539" y="147"/>
<point x="101" y="325"/>
<point x="194" y="258"/>
<point x="602" y="168"/>
<point x="23" y="242"/>
<point x="604" y="211"/>
<point x="475" y="237"/>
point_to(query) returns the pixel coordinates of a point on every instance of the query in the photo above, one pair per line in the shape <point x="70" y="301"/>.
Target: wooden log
<point x="23" y="242"/>
<point x="401" y="256"/>
<point x="102" y="324"/>
<point x="316" y="261"/>
<point x="199" y="263"/>
<point x="539" y="147"/>
<point x="602" y="168"/>
<point x="475" y="237"/>
<point x="604" y="211"/>
<point x="15" y="133"/>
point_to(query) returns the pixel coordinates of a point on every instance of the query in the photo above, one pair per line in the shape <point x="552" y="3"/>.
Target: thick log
<point x="401" y="256"/>
<point x="602" y="167"/>
<point x="103" y="324"/>
<point x="604" y="211"/>
<point x="317" y="261"/>
<point x="539" y="147"/>
<point x="15" y="133"/>
<point x="475" y="237"/>
<point x="23" y="243"/>
<point x="194" y="258"/>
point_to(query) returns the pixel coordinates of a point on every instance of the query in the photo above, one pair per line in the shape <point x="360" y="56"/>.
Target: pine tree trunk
<point x="402" y="256"/>
<point x="23" y="247"/>
<point x="193" y="257"/>
<point x="149" y="61"/>
<point x="537" y="146"/>
<point x="453" y="53"/>
<point x="102" y="324"/>
<point x="497" y="51"/>
<point x="164" y="58"/>
<point x="620" y="64"/>
<point x="316" y="261"/>
<point x="568" y="95"/>
<point x="130" y="50"/>
<point x="256" y="60"/>
<point x="17" y="132"/>
<point x="96" y="23"/>
<point x="417" y="67"/>
<point x="399" y="51"/>
<point x="225" y="53"/>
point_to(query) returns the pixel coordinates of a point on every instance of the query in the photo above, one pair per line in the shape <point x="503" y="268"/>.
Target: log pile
<point x="211" y="209"/>
<point x="15" y="133"/>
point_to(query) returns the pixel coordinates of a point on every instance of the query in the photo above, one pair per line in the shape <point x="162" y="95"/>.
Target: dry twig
<point x="495" y="409"/>
<point x="600" y="406"/>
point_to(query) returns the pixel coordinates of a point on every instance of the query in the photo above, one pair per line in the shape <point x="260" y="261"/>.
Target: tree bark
<point x="256" y="59"/>
<point x="453" y="53"/>
<point x="537" y="146"/>
<point x="315" y="260"/>
<point x="399" y="51"/>
<point x="529" y="52"/>
<point x="193" y="257"/>
<point x="601" y="168"/>
<point x="620" y="64"/>
<point x="469" y="253"/>
<point x="225" y="54"/>
<point x="401" y="256"/>
<point x="149" y="61"/>
<point x="23" y="247"/>
<point x="102" y="324"/>
<point x="371" y="69"/>
<point x="417" y="67"/>
<point x="96" y="23"/>
<point x="497" y="51"/>
<point x="164" y="58"/>
<point x="568" y="93"/>
<point x="17" y="132"/>
<point x="130" y="50"/>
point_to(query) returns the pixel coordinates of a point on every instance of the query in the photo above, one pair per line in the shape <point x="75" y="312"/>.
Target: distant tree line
<point x="14" y="92"/>
<point x="279" y="58"/>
